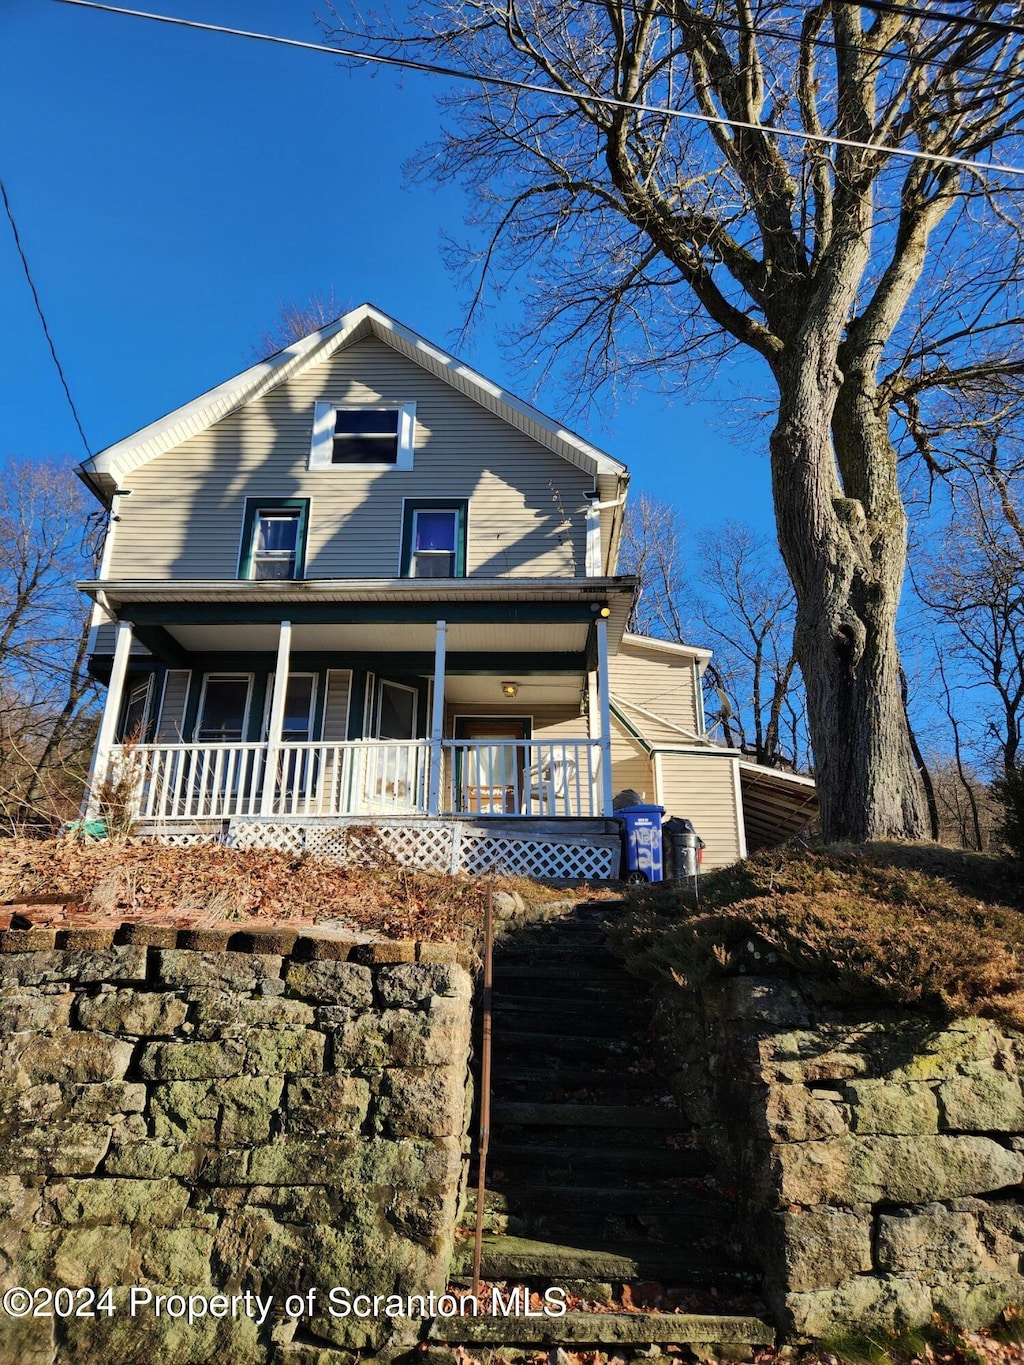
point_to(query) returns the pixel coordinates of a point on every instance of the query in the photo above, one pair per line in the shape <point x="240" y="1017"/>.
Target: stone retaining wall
<point x="879" y="1153"/>
<point x="207" y="1113"/>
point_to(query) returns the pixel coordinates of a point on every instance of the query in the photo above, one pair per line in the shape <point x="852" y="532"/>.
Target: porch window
<point x="224" y="706"/>
<point x="137" y="725"/>
<point x="299" y="699"/>
<point x="396" y="711"/>
<point x="377" y="437"/>
<point x="274" y="538"/>
<point x="434" y="539"/>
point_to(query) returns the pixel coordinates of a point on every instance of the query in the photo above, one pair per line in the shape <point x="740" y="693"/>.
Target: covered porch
<point x="360" y="702"/>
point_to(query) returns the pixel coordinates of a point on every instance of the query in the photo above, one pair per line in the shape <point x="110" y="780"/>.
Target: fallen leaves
<point x="63" y="881"/>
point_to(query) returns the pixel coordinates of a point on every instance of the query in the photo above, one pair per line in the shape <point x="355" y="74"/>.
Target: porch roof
<point x="519" y="615"/>
<point x="776" y="804"/>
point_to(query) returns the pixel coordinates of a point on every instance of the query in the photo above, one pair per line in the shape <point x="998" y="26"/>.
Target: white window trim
<point x="292" y="514"/>
<point x="401" y="687"/>
<point x="223" y="673"/>
<point x="322" y="444"/>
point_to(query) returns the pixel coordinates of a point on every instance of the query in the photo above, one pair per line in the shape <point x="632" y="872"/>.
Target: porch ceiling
<point x="490" y="637"/>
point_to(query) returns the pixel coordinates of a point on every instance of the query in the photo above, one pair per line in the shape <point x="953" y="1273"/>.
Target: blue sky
<point x="173" y="187"/>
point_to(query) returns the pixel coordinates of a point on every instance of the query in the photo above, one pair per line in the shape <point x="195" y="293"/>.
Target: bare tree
<point x="297" y="320"/>
<point x="737" y="602"/>
<point x="973" y="586"/>
<point x="654" y="241"/>
<point x="745" y="607"/>
<point x="45" y="690"/>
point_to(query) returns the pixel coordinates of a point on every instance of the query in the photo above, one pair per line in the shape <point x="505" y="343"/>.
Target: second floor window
<point x="370" y="438"/>
<point x="273" y="538"/>
<point x="434" y="539"/>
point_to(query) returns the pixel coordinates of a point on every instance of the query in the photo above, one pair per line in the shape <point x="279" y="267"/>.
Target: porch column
<point x="604" y="705"/>
<point x="437" y="720"/>
<point x="275" y="723"/>
<point x="111" y="715"/>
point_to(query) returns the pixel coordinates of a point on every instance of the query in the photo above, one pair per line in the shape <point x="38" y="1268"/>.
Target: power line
<point x="42" y="315"/>
<point x="506" y="82"/>
<point x="947" y="17"/>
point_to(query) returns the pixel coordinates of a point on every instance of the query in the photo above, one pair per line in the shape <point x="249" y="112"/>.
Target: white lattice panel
<point x="175" y="840"/>
<point x="429" y="847"/>
<point x="440" y="846"/>
<point x="536" y="858"/>
<point x="278" y="837"/>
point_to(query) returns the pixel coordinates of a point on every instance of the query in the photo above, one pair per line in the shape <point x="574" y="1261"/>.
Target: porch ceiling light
<point x="509" y="689"/>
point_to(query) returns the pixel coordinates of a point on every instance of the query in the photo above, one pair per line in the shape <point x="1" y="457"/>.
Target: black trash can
<point x="641" y="843"/>
<point x="683" y="849"/>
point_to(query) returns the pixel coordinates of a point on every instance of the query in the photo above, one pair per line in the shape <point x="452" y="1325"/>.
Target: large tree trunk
<point x="845" y="547"/>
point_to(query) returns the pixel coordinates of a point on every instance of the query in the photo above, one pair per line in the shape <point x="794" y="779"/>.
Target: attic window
<point x="377" y="437"/>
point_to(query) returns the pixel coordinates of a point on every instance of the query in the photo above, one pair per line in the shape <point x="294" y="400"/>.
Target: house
<point x="359" y="583"/>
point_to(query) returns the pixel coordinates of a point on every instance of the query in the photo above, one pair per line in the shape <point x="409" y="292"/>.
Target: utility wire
<point x="506" y="82"/>
<point x="42" y="315"/>
<point x="946" y="16"/>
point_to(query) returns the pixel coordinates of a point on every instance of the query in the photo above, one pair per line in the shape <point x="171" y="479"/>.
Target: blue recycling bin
<point x="641" y="828"/>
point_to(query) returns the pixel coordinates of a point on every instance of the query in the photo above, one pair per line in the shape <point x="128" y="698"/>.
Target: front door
<point x="489" y="773"/>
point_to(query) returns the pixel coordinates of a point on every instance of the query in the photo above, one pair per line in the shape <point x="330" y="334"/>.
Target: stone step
<point x="657" y="1232"/>
<point x="567" y="954"/>
<point x="521" y="1044"/>
<point x="633" y="1118"/>
<point x="567" y="927"/>
<point x="557" y="1082"/>
<point x="607" y="1329"/>
<point x="585" y="1137"/>
<point x="542" y="968"/>
<point x="596" y="1165"/>
<point x="698" y="1204"/>
<point x="581" y="1019"/>
<point x="594" y="994"/>
<point x="513" y="1258"/>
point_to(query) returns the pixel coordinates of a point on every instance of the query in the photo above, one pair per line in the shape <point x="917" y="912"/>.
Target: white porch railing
<point x="522" y="777"/>
<point x="183" y="782"/>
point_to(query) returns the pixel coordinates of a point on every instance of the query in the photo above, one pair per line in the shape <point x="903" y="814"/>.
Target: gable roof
<point x="106" y="471"/>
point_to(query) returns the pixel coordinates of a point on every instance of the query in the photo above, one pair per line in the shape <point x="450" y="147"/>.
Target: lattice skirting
<point x="441" y="846"/>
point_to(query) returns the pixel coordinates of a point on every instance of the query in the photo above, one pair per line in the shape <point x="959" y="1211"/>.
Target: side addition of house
<point x="361" y="583"/>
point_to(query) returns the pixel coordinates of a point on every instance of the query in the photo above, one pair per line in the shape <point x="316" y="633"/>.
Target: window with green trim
<point x="434" y="538"/>
<point x="274" y="538"/>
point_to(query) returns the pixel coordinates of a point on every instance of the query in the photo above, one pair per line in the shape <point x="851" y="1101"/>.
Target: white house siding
<point x="702" y="787"/>
<point x="184" y="516"/>
<point x="661" y="683"/>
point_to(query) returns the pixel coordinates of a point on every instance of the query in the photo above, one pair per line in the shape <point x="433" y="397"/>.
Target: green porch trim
<point x="163" y="646"/>
<point x="631" y="728"/>
<point x="357" y="613"/>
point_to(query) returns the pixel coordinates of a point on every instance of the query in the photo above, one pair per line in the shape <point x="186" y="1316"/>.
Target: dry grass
<point x="136" y="879"/>
<point x="903" y="923"/>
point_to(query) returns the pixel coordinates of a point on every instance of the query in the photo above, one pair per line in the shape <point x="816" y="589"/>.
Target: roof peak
<point x="105" y="471"/>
